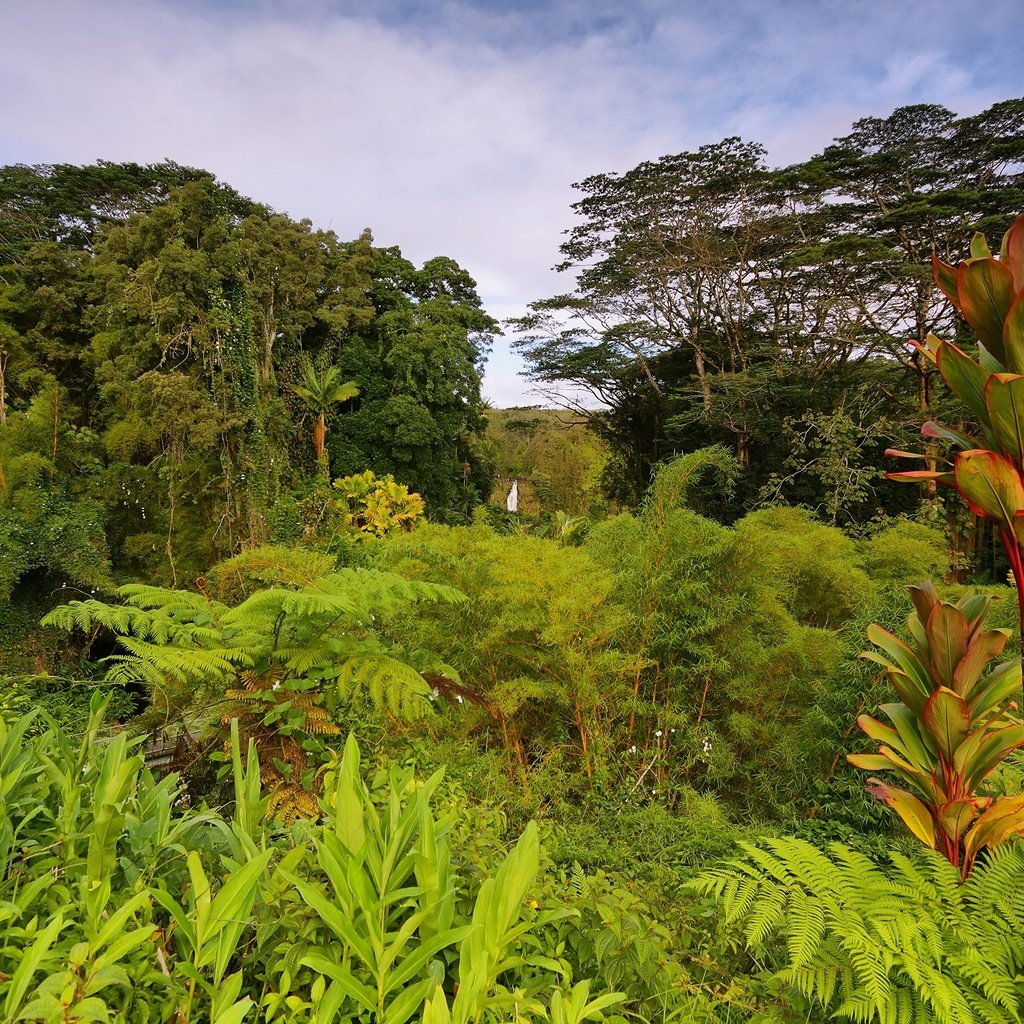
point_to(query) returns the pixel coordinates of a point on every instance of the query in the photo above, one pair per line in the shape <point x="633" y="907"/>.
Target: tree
<point x="716" y="298"/>
<point x="319" y="393"/>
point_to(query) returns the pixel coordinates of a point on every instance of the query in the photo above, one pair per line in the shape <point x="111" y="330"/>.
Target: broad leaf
<point x="946" y="629"/>
<point x="1004" y="398"/>
<point x="965" y="378"/>
<point x="991" y="485"/>
<point x="985" y="291"/>
<point x="1013" y="335"/>
<point x="1011" y="252"/>
<point x="948" y="720"/>
<point x="914" y="813"/>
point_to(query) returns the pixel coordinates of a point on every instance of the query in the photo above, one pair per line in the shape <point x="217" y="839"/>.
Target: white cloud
<point x="459" y="130"/>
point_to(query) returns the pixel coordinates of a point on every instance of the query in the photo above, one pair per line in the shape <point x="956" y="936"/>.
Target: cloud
<point x="458" y="127"/>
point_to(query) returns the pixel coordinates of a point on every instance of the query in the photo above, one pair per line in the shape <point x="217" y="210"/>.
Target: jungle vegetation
<point x="299" y="724"/>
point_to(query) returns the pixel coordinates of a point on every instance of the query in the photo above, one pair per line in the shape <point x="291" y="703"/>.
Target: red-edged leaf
<point x="964" y="377"/>
<point x="904" y="658"/>
<point x="956" y="816"/>
<point x="924" y="598"/>
<point x="1011" y="252"/>
<point x="979" y="247"/>
<point x="990" y="484"/>
<point x="917" y="475"/>
<point x="999" y="685"/>
<point x="946" y="629"/>
<point x="1004" y="399"/>
<point x="985" y="289"/>
<point x="932" y="429"/>
<point x="948" y="719"/>
<point x="1013" y="335"/>
<point x="914" y="813"/>
<point x="980" y="651"/>
<point x="982" y="758"/>
<point x="945" y="277"/>
<point x="896" y="453"/>
<point x="1004" y="818"/>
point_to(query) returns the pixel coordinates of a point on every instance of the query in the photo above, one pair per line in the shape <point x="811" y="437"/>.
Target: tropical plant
<point x="951" y="729"/>
<point x="910" y="942"/>
<point x="320" y="392"/>
<point x="279" y="657"/>
<point x="377" y="506"/>
<point x="988" y="473"/>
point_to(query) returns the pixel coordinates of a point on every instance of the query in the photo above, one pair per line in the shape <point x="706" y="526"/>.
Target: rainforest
<point x="303" y="719"/>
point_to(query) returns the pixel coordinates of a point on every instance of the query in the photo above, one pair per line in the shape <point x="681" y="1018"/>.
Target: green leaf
<point x="985" y="291"/>
<point x="991" y="486"/>
<point x="1004" y="399"/>
<point x="944" y="276"/>
<point x="956" y="816"/>
<point x="1013" y="335"/>
<point x="965" y="378"/>
<point x="979" y="247"/>
<point x="948" y="720"/>
<point x="981" y="650"/>
<point x="1011" y="252"/>
<point x="914" y="813"/>
<point x="341" y="976"/>
<point x="946" y="629"/>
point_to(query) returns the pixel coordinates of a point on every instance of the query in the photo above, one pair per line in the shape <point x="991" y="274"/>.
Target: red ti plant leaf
<point x="948" y="719"/>
<point x="956" y="816"/>
<point x="918" y="475"/>
<point x="914" y="813"/>
<point x="998" y="686"/>
<point x="1003" y="818"/>
<point x="991" y="485"/>
<point x="985" y="293"/>
<point x="965" y="378"/>
<point x="1011" y="252"/>
<point x="980" y="758"/>
<point x="945" y="277"/>
<point x="1004" y="399"/>
<point x="947" y="633"/>
<point x="1013" y="335"/>
<point x="980" y="651"/>
<point x="932" y="429"/>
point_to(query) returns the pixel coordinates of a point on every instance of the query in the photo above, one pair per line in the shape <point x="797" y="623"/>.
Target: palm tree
<point x="318" y="392"/>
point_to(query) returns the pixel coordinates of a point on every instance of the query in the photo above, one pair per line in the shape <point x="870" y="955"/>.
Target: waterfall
<point x="513" y="497"/>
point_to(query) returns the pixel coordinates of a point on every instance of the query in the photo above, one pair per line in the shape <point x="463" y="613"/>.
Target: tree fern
<point x="325" y="629"/>
<point x="908" y="944"/>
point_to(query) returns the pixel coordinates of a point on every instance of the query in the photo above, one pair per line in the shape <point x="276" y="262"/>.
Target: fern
<point x="907" y="944"/>
<point x="326" y="629"/>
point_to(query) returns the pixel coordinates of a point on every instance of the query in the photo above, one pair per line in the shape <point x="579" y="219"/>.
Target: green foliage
<point x="910" y="943"/>
<point x="903" y="553"/>
<point x="952" y="727"/>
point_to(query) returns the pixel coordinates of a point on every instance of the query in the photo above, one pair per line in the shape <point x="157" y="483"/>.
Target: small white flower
<point x="632" y="749"/>
<point x="277" y="685"/>
<point x="658" y="733"/>
<point x="458" y="697"/>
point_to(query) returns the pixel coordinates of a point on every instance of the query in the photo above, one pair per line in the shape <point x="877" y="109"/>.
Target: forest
<point x="300" y="724"/>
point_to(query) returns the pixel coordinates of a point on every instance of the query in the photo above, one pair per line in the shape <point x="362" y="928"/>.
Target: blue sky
<point x="457" y="128"/>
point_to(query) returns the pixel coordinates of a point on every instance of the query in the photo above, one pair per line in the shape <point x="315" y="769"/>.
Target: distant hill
<point x="555" y="456"/>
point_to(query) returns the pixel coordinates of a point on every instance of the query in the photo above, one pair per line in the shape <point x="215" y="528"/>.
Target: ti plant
<point x="952" y="727"/>
<point x="988" y="471"/>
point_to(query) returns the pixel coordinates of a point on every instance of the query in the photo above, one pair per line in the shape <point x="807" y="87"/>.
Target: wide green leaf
<point x="1004" y="398"/>
<point x="965" y="378"/>
<point x="991" y="484"/>
<point x="948" y="719"/>
<point x="985" y="293"/>
<point x="946" y="629"/>
<point x="914" y="813"/>
<point x="1011" y="252"/>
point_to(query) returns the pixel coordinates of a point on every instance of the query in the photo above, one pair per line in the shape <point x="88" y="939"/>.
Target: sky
<point x="457" y="127"/>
